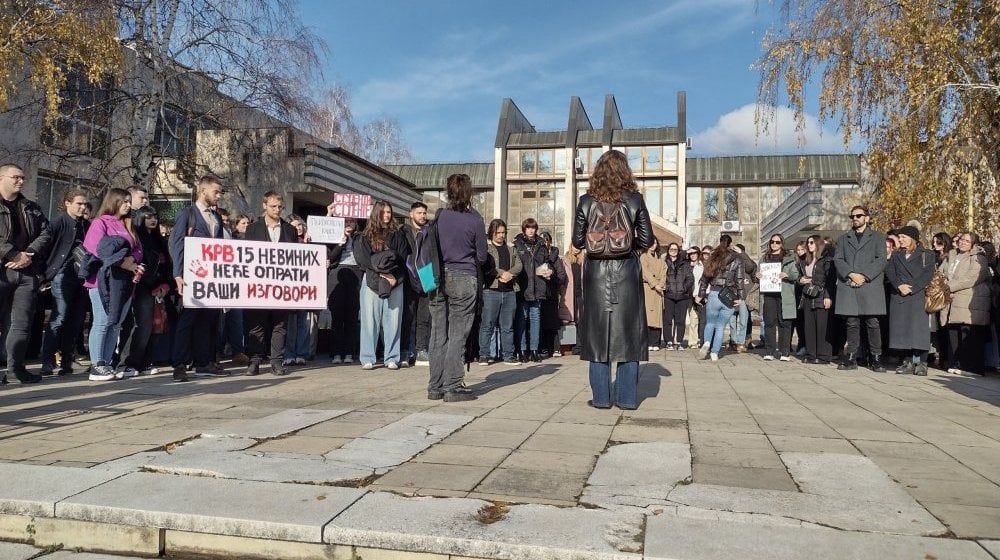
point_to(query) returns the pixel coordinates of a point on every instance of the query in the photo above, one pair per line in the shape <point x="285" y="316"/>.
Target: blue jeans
<point x="626" y="393"/>
<point x="716" y="317"/>
<point x="65" y="321"/>
<point x="498" y="309"/>
<point x="529" y="322"/>
<point x="103" y="335"/>
<point x="385" y="313"/>
<point x="738" y="325"/>
<point x="297" y="340"/>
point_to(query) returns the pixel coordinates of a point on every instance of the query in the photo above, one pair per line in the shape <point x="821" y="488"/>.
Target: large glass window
<point x="731" y="203"/>
<point x="513" y="162"/>
<point x="670" y="158"/>
<point x="177" y="131"/>
<point x="634" y="155"/>
<point x="694" y="205"/>
<point x="710" y="204"/>
<point x="653" y="160"/>
<point x="661" y="197"/>
<point x="83" y="124"/>
<point x="544" y="161"/>
<point x="531" y="163"/>
<point x="528" y="162"/>
<point x="560" y="161"/>
<point x="543" y="201"/>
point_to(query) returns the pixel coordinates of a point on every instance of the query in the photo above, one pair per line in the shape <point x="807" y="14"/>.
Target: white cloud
<point x="735" y="133"/>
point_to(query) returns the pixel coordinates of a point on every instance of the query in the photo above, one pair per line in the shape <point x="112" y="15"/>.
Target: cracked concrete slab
<point x="275" y="425"/>
<point x="637" y="474"/>
<point x="35" y="489"/>
<point x="450" y="526"/>
<point x="291" y="512"/>
<point x="680" y="538"/>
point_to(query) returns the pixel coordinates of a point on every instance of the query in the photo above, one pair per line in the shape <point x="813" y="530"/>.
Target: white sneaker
<point x="784" y="358"/>
<point x="654" y="348"/>
<point x="558" y="354"/>
<point x="768" y="357"/>
<point x="714" y="356"/>
<point x="288" y="362"/>
<point x="956" y="371"/>
<point x="336" y="360"/>
<point x="392" y="365"/>
<point x="704" y="351"/>
<point x="300" y="361"/>
<point x="348" y="359"/>
<point x="149" y="371"/>
<point x="102" y="373"/>
<point x="129" y="372"/>
<point x="367" y="366"/>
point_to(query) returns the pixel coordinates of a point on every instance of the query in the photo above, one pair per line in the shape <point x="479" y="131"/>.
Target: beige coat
<point x="969" y="280"/>
<point x="654" y="273"/>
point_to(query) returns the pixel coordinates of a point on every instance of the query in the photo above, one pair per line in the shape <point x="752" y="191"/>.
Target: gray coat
<point x="865" y="256"/>
<point x="909" y="327"/>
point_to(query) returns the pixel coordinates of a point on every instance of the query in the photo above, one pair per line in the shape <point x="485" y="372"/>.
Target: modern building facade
<point x="692" y="201"/>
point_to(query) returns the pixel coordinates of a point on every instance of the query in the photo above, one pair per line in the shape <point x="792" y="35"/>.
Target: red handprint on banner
<point x="198" y="268"/>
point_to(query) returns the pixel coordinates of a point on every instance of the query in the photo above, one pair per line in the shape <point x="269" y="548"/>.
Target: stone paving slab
<point x="637" y="474"/>
<point x="290" y="512"/>
<point x="450" y="526"/>
<point x="679" y="538"/>
<point x="276" y="424"/>
<point x="17" y="551"/>
<point x="35" y="489"/>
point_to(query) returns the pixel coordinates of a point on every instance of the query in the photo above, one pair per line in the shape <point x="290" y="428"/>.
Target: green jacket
<point x="491" y="272"/>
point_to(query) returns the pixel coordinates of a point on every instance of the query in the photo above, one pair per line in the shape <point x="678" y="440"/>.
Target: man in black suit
<point x="195" y="335"/>
<point x="270" y="228"/>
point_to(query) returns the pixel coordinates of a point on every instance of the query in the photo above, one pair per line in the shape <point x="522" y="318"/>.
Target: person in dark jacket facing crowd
<point x="909" y="272"/>
<point x="258" y="322"/>
<point x="378" y="310"/>
<point x="724" y="272"/>
<point x="499" y="296"/>
<point x="817" y="283"/>
<point x="416" y="332"/>
<point x="555" y="279"/>
<point x="68" y="295"/>
<point x="534" y="289"/>
<point x="613" y="310"/>
<point x="462" y="238"/>
<point x="676" y="297"/>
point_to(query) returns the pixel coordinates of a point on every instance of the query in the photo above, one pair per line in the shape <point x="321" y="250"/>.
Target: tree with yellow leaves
<point x="42" y="40"/>
<point x="918" y="81"/>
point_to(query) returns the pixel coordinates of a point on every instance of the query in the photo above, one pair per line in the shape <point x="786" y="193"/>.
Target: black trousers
<point x="137" y="328"/>
<point x="259" y="323"/>
<point x="852" y="327"/>
<point x="699" y="309"/>
<point x="416" y="323"/>
<point x="345" y="305"/>
<point x="195" y="337"/>
<point x="966" y="347"/>
<point x="17" y="310"/>
<point x="675" y="319"/>
<point x="777" y="330"/>
<point x="816" y="324"/>
<point x="653" y="336"/>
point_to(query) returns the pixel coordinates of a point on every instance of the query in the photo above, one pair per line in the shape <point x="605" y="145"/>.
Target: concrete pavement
<point x="739" y="458"/>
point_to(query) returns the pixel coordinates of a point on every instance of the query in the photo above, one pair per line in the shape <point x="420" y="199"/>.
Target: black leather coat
<point x="614" y="308"/>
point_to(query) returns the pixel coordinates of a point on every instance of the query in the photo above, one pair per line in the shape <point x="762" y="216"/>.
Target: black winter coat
<point x="824" y="276"/>
<point x="533" y="288"/>
<point x="909" y="327"/>
<point x="680" y="279"/>
<point x="614" y="307"/>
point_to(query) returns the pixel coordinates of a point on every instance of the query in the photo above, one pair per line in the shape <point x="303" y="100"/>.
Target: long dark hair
<point x="376" y="232"/>
<point x="718" y="260"/>
<point x="147" y="237"/>
<point x="612" y="178"/>
<point x="459" y="189"/>
<point x="818" y="249"/>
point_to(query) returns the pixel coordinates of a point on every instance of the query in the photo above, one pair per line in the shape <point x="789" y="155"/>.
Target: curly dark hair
<point x="376" y="232"/>
<point x="612" y="178"/>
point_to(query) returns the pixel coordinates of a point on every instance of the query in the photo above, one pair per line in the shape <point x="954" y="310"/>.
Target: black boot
<point x="848" y="362"/>
<point x="876" y="364"/>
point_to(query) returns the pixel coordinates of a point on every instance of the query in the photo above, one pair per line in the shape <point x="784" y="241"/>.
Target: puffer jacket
<point x="680" y="280"/>
<point x="532" y="255"/>
<point x="968" y="278"/>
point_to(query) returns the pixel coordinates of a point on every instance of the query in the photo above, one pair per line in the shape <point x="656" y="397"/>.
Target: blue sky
<point x="442" y="68"/>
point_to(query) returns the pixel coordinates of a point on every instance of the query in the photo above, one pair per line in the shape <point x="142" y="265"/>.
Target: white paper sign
<point x="770" y="277"/>
<point x="230" y="273"/>
<point x="323" y="229"/>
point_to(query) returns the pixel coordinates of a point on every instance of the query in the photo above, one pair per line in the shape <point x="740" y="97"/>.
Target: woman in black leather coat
<point x="614" y="307"/>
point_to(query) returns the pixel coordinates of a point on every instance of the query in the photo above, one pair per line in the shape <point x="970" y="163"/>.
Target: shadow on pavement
<point x="512" y="377"/>
<point x="649" y="380"/>
<point x="981" y="388"/>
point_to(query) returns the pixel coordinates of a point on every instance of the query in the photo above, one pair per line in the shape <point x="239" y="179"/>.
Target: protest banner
<point x="770" y="277"/>
<point x="349" y="205"/>
<point x="323" y="229"/>
<point x="230" y="273"/>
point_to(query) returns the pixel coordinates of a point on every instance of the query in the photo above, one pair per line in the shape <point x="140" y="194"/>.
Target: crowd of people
<point x="859" y="299"/>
